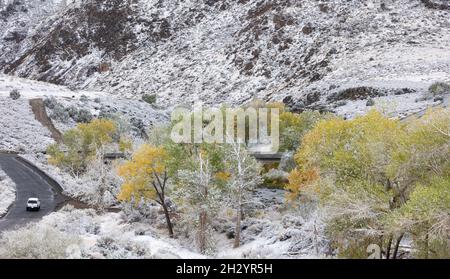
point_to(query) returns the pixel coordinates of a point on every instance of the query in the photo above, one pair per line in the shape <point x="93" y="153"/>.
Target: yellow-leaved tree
<point x="145" y="178"/>
<point x="294" y="126"/>
<point x="344" y="161"/>
<point x="81" y="144"/>
<point x="299" y="180"/>
<point x="380" y="179"/>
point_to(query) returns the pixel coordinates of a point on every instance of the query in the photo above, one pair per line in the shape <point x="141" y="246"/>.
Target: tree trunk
<point x="316" y="242"/>
<point x="237" y="234"/>
<point x="388" y="248"/>
<point x="168" y="221"/>
<point x="102" y="191"/>
<point x="202" y="232"/>
<point x="397" y="244"/>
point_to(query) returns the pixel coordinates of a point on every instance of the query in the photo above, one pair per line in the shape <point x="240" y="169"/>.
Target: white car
<point x="33" y="204"/>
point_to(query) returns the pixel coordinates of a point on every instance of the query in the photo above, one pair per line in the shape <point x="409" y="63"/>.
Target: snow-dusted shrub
<point x="138" y="126"/>
<point x="99" y="185"/>
<point x="59" y="113"/>
<point x="439" y="88"/>
<point x="72" y="111"/>
<point x="287" y="162"/>
<point x="252" y="228"/>
<point x="298" y="106"/>
<point x="75" y="221"/>
<point x="340" y="103"/>
<point x="201" y="198"/>
<point x="84" y="99"/>
<point x="83" y="116"/>
<point x="123" y="126"/>
<point x="275" y="179"/>
<point x="143" y="211"/>
<point x="370" y="102"/>
<point x="14" y="94"/>
<point x="50" y="102"/>
<point x="36" y="242"/>
<point x="113" y="248"/>
<point x="149" y="98"/>
<point x="105" y="113"/>
<point x="292" y="221"/>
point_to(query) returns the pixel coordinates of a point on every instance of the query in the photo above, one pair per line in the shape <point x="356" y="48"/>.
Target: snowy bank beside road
<point x="7" y="193"/>
<point x="82" y="188"/>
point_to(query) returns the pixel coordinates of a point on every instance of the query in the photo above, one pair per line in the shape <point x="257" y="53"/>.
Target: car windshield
<point x="32" y="201"/>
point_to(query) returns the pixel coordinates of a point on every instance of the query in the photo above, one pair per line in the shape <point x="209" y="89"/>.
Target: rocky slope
<point x="307" y="53"/>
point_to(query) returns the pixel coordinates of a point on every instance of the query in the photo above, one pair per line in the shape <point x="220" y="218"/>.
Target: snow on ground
<point x="129" y="109"/>
<point x="35" y="89"/>
<point x="400" y="67"/>
<point x="108" y="235"/>
<point x="272" y="230"/>
<point x="19" y="131"/>
<point x="396" y="106"/>
<point x="94" y="101"/>
<point x="97" y="236"/>
<point x="277" y="229"/>
<point x="7" y="193"/>
<point x="160" y="245"/>
<point x="287" y="236"/>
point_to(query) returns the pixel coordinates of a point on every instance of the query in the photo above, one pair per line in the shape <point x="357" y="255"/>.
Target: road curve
<point x="30" y="182"/>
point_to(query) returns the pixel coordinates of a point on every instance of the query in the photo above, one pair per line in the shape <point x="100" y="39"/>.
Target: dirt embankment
<point x="38" y="108"/>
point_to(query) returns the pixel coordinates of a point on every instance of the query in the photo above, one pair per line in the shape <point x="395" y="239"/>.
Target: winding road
<point x="30" y="182"/>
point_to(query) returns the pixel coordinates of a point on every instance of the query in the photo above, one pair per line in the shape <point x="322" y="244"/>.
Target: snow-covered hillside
<point x="301" y="52"/>
<point x="21" y="132"/>
<point x="90" y="59"/>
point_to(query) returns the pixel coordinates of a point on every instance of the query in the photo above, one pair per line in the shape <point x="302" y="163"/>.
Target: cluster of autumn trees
<point x="81" y="154"/>
<point x="200" y="178"/>
<point x="381" y="180"/>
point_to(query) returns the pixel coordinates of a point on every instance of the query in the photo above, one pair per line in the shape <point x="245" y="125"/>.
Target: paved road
<point x="30" y="182"/>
